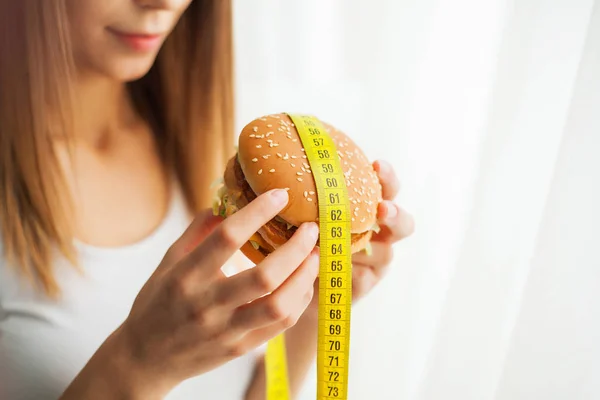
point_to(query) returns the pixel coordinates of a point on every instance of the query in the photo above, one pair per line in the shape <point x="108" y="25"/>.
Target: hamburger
<point x="270" y="155"/>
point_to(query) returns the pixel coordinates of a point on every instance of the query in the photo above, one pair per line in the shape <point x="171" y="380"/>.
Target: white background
<point x="489" y="111"/>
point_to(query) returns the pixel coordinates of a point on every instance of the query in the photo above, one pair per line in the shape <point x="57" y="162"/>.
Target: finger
<point x="200" y="228"/>
<point x="283" y="304"/>
<point x="364" y="279"/>
<point x="389" y="181"/>
<point x="381" y="256"/>
<point x="232" y="233"/>
<point x="258" y="337"/>
<point x="271" y="272"/>
<point x="395" y="223"/>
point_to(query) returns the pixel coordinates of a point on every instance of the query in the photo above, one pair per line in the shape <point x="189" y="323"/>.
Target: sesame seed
<point x="252" y="135"/>
<point x="305" y="193"/>
<point x="309" y="199"/>
<point x="304" y="157"/>
<point x="294" y="140"/>
<point x="269" y="125"/>
<point x="260" y="171"/>
<point x="269" y="134"/>
<point x="269" y="140"/>
<point x="286" y="156"/>
<point x="309" y="171"/>
<point x="306" y="165"/>
<point x="363" y="219"/>
<point x="353" y="219"/>
<point x="299" y="179"/>
<point x="272" y="170"/>
<point x="255" y="129"/>
<point x="279" y="155"/>
<point x="302" y="149"/>
<point x="294" y="156"/>
<point x="299" y="173"/>
<point x="293" y="165"/>
<point x="258" y="146"/>
<point x="311" y="192"/>
<point x="303" y="169"/>
<point x="273" y="145"/>
<point x="255" y="159"/>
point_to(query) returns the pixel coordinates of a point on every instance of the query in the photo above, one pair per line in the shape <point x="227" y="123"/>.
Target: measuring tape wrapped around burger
<point x="331" y="182"/>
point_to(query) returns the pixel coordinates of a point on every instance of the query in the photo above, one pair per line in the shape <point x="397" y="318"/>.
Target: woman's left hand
<point x="395" y="223"/>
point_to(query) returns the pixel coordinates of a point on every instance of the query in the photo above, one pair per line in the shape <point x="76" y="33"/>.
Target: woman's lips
<point x="139" y="42"/>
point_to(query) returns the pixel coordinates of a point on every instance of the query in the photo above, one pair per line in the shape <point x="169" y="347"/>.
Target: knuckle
<point x="181" y="288"/>
<point x="227" y="237"/>
<point x="237" y="349"/>
<point x="275" y="309"/>
<point x="263" y="280"/>
<point x="290" y="321"/>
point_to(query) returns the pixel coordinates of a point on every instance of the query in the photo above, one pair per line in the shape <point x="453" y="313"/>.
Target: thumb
<point x="202" y="225"/>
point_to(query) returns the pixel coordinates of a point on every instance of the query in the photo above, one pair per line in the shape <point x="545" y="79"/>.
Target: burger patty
<point x="275" y="228"/>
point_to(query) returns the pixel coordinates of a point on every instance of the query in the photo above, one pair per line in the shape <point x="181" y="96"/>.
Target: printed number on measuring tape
<point x="335" y="276"/>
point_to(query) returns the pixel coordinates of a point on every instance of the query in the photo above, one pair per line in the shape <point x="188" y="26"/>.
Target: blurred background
<point x="489" y="111"/>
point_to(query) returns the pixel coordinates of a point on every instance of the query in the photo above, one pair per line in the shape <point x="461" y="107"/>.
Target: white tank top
<point x="44" y="343"/>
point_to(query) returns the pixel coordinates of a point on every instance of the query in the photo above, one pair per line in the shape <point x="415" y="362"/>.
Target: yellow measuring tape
<point x="335" y="277"/>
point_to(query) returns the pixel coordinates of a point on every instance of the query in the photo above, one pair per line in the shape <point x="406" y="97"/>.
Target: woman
<point x="115" y="116"/>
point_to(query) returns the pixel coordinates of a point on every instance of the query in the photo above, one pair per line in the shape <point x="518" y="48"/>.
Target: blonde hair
<point x="187" y="97"/>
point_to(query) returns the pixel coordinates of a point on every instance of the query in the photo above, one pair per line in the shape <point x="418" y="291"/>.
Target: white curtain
<point x="490" y="112"/>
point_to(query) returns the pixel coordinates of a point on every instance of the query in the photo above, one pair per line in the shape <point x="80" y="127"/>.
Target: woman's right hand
<point x="190" y="318"/>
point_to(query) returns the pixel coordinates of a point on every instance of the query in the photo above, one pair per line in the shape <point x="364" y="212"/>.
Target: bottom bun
<point x="256" y="256"/>
<point x="362" y="242"/>
<point x="251" y="253"/>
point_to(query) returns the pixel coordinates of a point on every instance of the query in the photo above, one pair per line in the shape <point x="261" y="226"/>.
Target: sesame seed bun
<point x="270" y="155"/>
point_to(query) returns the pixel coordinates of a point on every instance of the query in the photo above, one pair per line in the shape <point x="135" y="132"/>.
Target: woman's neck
<point x="103" y="108"/>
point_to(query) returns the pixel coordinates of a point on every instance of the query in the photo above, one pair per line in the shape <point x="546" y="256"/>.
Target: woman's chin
<point x="132" y="72"/>
<point x="128" y="70"/>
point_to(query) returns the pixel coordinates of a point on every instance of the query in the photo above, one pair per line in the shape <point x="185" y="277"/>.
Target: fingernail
<point x="312" y="230"/>
<point x="280" y="196"/>
<point x="392" y="211"/>
<point x="316" y="266"/>
<point x="384" y="167"/>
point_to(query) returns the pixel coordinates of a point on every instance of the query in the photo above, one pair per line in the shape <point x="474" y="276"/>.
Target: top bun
<point x="271" y="156"/>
